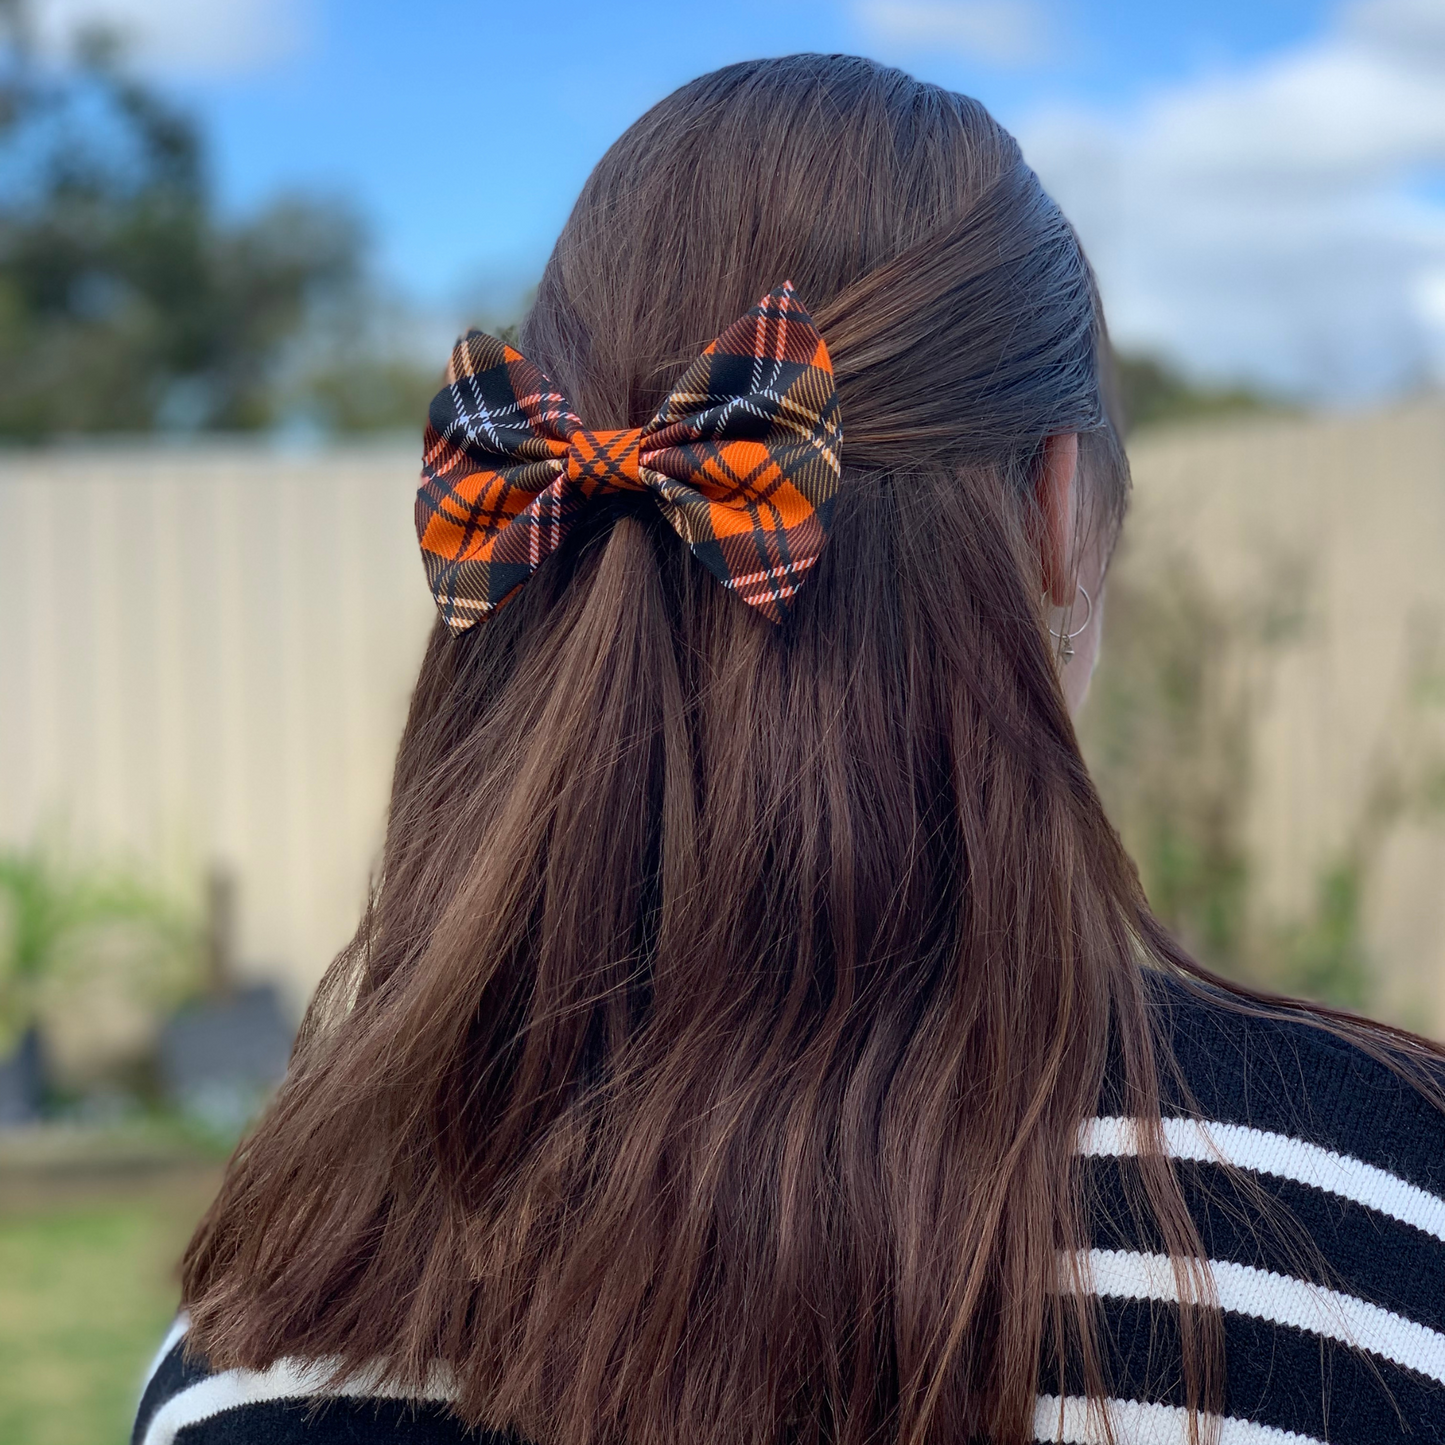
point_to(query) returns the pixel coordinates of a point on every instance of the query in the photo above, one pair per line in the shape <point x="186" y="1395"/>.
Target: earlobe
<point x="1055" y="494"/>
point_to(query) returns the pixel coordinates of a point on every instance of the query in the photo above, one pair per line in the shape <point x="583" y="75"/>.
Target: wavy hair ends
<point x="711" y="1059"/>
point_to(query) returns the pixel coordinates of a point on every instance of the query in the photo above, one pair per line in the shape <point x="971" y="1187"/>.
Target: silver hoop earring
<point x="1066" y="639"/>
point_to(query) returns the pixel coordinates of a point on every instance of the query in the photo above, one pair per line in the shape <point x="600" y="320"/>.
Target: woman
<point x="758" y="1033"/>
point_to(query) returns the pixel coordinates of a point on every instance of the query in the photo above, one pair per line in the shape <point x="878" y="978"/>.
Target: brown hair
<point x="710" y="1062"/>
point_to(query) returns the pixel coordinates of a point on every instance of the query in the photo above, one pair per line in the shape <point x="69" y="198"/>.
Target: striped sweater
<point x="1333" y="1292"/>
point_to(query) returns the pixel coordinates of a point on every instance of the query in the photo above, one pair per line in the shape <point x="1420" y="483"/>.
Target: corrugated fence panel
<point x="1357" y="503"/>
<point x="205" y="657"/>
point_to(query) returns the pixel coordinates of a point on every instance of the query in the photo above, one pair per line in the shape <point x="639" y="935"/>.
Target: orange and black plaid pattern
<point x="742" y="459"/>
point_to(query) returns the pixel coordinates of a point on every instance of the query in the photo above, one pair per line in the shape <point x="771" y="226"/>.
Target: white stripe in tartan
<point x="784" y="570"/>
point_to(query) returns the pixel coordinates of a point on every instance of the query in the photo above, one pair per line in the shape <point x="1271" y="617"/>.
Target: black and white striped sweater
<point x="1341" y="1341"/>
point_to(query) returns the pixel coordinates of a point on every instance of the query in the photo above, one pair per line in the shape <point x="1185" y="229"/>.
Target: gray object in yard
<point x="219" y="1058"/>
<point x="22" y="1081"/>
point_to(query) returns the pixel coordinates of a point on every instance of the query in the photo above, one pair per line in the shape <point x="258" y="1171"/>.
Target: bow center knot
<point x="599" y="462"/>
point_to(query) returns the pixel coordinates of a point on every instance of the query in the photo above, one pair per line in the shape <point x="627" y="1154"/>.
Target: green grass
<point x="87" y="1289"/>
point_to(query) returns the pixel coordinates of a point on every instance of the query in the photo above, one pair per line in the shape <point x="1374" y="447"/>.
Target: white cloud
<point x="1409" y="30"/>
<point x="1004" y="32"/>
<point x="184" y="36"/>
<point x="1276" y="222"/>
<point x="1430" y="293"/>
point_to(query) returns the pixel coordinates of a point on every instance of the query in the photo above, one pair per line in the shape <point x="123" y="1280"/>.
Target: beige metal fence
<point x="205" y="656"/>
<point x="1349" y="512"/>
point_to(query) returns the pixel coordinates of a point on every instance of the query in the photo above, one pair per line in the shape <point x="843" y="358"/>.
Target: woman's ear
<point x="1058" y="476"/>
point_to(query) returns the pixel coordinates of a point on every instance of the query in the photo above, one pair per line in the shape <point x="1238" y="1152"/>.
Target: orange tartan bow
<point x="742" y="459"/>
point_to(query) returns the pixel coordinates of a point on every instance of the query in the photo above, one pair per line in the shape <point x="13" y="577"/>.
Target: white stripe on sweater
<point x="1280" y="1155"/>
<point x="1139" y="1422"/>
<point x="1280" y="1299"/>
<point x="178" y="1328"/>
<point x="285" y="1380"/>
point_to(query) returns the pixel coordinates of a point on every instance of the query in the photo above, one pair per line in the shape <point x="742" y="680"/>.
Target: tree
<point x="1152" y="393"/>
<point x="125" y="303"/>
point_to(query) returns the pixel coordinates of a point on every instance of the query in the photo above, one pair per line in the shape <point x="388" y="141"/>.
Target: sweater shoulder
<point x="1288" y="1071"/>
<point x="294" y="1402"/>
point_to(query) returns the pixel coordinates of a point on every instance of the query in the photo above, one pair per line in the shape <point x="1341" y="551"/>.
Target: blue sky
<point x="467" y="128"/>
<point x="1261" y="185"/>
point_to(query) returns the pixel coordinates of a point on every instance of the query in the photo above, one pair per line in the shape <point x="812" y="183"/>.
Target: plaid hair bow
<point x="742" y="460"/>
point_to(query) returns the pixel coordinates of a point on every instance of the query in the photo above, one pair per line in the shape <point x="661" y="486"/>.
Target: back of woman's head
<point x="953" y="295"/>
<point x="711" y="1059"/>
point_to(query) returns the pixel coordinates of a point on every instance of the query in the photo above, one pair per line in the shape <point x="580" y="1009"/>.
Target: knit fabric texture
<point x="1316" y="1176"/>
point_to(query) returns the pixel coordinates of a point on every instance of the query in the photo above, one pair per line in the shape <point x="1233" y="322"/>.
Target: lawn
<point x="87" y="1288"/>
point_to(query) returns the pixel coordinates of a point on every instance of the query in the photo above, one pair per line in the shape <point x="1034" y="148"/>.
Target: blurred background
<point x="236" y="240"/>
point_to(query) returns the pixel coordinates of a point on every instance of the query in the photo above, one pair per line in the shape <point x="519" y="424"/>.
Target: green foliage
<point x="53" y="919"/>
<point x="1199" y="882"/>
<point x="126" y="303"/>
<point x="357" y="392"/>
<point x="1323" y="955"/>
<point x="1168" y="730"/>
<point x="1169" y="734"/>
<point x="1152" y="393"/>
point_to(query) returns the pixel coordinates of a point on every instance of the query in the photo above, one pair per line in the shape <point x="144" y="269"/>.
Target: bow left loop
<point x="742" y="459"/>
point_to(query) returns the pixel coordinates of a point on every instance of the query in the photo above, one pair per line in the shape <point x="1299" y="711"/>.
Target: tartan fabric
<point x="742" y="459"/>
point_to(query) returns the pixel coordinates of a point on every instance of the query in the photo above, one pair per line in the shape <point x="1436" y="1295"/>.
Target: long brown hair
<point x="710" y="1062"/>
